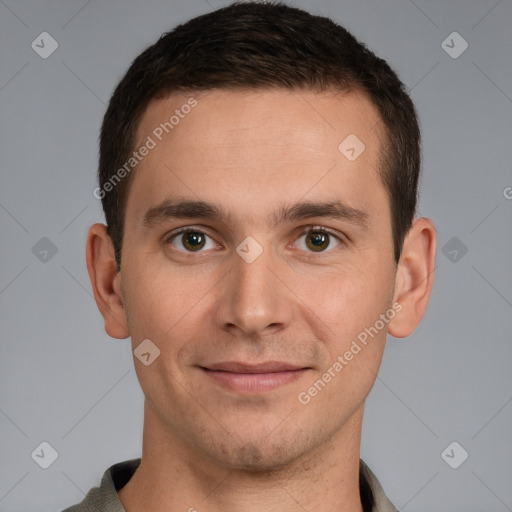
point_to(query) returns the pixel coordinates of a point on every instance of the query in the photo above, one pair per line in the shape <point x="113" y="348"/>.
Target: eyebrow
<point x="188" y="209"/>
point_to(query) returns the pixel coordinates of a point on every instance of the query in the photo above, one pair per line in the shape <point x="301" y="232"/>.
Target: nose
<point x="253" y="298"/>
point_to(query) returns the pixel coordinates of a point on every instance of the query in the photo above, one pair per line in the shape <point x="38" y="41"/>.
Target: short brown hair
<point x="254" y="45"/>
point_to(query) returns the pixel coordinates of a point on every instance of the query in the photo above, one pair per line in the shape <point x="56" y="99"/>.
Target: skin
<point x="209" y="448"/>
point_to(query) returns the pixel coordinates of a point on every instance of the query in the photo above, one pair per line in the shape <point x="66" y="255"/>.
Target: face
<point x="259" y="309"/>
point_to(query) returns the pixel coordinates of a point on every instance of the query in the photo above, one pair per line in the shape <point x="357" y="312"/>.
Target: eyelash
<point x="307" y="230"/>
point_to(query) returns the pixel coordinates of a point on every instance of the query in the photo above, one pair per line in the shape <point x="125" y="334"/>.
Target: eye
<point x="318" y="239"/>
<point x="191" y="240"/>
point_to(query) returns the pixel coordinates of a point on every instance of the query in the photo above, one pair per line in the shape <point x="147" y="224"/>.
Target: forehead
<point x="259" y="145"/>
<point x="251" y="117"/>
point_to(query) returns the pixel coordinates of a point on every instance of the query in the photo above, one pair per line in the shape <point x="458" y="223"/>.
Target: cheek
<point x="155" y="301"/>
<point x="160" y="309"/>
<point x="351" y="299"/>
<point x="349" y="305"/>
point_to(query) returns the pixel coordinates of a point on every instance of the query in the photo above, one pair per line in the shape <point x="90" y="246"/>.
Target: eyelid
<point x="315" y="228"/>
<point x="184" y="229"/>
<point x="169" y="237"/>
<point x="318" y="227"/>
<point x="304" y="230"/>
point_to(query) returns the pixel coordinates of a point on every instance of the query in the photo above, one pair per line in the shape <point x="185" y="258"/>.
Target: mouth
<point x="253" y="378"/>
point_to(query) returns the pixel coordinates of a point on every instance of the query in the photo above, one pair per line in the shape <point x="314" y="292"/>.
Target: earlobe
<point x="414" y="277"/>
<point x="106" y="281"/>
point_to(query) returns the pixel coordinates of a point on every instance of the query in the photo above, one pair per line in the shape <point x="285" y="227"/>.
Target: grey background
<point x="64" y="381"/>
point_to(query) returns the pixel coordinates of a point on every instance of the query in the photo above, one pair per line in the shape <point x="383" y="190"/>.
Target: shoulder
<point x="378" y="501"/>
<point x="104" y="497"/>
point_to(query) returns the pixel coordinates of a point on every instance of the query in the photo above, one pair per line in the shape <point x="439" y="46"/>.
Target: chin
<point x="263" y="454"/>
<point x="254" y="458"/>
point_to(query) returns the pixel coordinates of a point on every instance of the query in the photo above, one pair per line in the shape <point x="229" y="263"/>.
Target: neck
<point x="173" y="476"/>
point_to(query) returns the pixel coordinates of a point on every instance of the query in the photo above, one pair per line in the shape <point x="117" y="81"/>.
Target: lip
<point x="267" y="367"/>
<point x="253" y="378"/>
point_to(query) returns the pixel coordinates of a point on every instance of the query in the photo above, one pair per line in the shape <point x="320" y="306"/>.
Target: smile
<point x="253" y="378"/>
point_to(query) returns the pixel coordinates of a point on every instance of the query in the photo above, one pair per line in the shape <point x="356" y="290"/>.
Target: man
<point x="258" y="171"/>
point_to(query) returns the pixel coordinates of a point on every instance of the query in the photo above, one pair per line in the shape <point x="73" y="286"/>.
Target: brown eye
<point x="318" y="240"/>
<point x="191" y="240"/>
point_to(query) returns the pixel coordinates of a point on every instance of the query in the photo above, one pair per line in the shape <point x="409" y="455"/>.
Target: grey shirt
<point x="104" y="498"/>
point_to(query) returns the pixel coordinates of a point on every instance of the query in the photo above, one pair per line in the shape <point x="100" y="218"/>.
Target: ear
<point x="414" y="277"/>
<point x="106" y="281"/>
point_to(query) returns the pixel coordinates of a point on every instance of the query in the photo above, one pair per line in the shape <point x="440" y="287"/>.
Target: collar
<point x="117" y="476"/>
